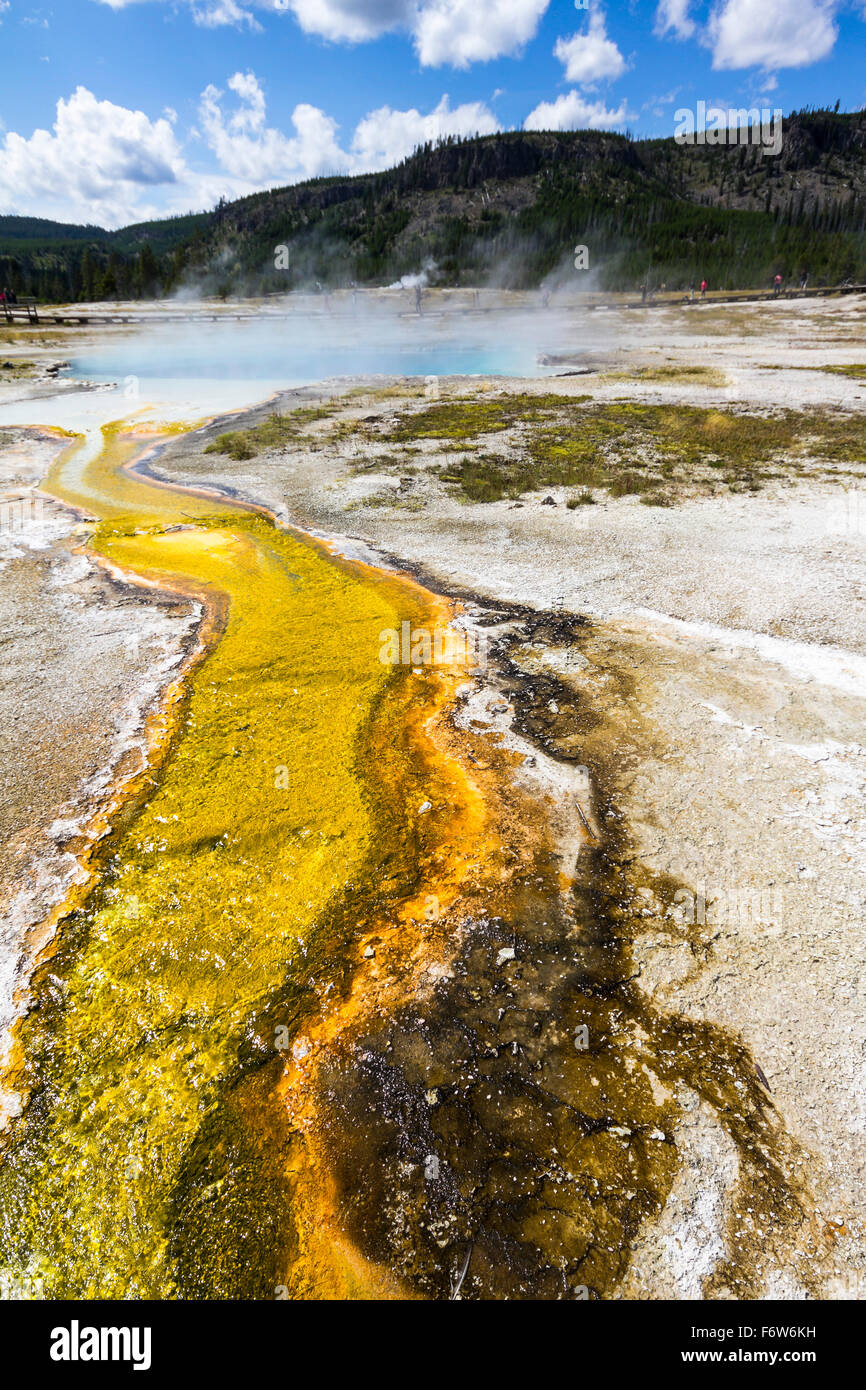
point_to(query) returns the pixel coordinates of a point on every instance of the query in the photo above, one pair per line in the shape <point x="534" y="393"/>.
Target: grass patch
<point x="396" y="501"/>
<point x="694" y="375"/>
<point x="382" y="393"/>
<point x="656" y="499"/>
<point x="490" y="449"/>
<point x="17" y="367"/>
<point x="857" y="370"/>
<point x="271" y="433"/>
<point x="626" y="447"/>
<point x="467" y="419"/>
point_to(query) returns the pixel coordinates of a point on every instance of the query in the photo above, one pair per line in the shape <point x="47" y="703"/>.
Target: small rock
<point x="369" y="952"/>
<point x="425" y="806"/>
<point x="507" y="953"/>
<point x="548" y="502"/>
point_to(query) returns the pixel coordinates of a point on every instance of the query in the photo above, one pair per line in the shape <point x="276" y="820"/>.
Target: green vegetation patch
<point x="683" y="375"/>
<point x="857" y="370"/>
<point x="626" y="448"/>
<point x="276" y="430"/>
<point x="467" y="419"/>
<point x="16" y="368"/>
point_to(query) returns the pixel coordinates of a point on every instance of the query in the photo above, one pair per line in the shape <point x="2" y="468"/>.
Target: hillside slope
<point x="505" y="209"/>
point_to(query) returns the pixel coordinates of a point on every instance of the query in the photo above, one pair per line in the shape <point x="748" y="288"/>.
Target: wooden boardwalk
<point x="674" y="297"/>
<point x="26" y="311"/>
<point x="23" y="310"/>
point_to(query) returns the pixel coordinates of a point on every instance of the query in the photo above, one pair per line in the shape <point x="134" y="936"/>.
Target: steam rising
<point x="300" y="339"/>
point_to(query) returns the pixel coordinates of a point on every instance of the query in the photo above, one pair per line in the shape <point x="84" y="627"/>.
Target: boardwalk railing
<point x="23" y="309"/>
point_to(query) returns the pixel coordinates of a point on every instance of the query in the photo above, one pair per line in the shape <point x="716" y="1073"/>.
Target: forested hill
<point x="502" y="209"/>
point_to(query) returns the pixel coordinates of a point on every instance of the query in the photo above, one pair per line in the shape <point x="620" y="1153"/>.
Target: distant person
<point x="777" y="286"/>
<point x="692" y="290"/>
<point x="545" y="298"/>
<point x="643" y="293"/>
<point x="703" y="289"/>
<point x="4" y="296"/>
<point x="804" y="280"/>
<point x="418" y="309"/>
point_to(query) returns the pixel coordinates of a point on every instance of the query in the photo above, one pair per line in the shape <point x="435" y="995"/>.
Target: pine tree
<point x="87" y="276"/>
<point x="147" y="272"/>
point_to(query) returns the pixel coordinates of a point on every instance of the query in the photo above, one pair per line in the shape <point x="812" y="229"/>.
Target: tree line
<point x="515" y="204"/>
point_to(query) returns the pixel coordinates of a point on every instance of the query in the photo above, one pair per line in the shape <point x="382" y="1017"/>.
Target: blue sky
<point x="116" y="110"/>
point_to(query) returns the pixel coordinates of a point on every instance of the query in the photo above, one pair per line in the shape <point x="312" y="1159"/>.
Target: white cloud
<point x="773" y="34"/>
<point x="258" y="154"/>
<point x="571" y="111"/>
<point x="674" y="15"/>
<point x="351" y="20"/>
<point x="384" y="137"/>
<point x="461" y="32"/>
<point x="590" y="57"/>
<point x="215" y="13"/>
<point x="212" y="14"/>
<point x="109" y="165"/>
<point x="249" y="150"/>
<point x="4" y="6"/>
<point x="458" y="32"/>
<point x="101" y="163"/>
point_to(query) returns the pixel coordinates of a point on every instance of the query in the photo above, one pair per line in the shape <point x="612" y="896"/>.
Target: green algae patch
<point x="210" y="897"/>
